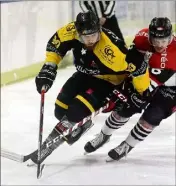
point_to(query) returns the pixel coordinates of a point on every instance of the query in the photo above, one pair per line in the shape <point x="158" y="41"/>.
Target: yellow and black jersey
<point x="106" y="61"/>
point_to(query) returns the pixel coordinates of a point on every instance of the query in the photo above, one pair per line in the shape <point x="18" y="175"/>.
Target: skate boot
<point x="78" y="132"/>
<point x="55" y="139"/>
<point x="97" y="142"/>
<point x="119" y="152"/>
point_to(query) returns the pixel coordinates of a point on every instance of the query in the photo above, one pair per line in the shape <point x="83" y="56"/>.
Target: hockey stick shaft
<point x="68" y="131"/>
<point x="40" y="130"/>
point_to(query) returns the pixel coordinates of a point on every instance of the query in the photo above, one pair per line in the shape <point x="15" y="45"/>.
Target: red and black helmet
<point x="160" y="27"/>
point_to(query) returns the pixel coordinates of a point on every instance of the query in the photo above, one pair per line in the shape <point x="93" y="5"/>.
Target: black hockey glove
<point x="114" y="98"/>
<point x="165" y="96"/>
<point x="135" y="99"/>
<point x="135" y="102"/>
<point x="46" y="77"/>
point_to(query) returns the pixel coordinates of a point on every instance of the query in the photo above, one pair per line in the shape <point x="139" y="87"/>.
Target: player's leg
<point x="121" y="114"/>
<point x="74" y="85"/>
<point x="151" y="118"/>
<point x="81" y="106"/>
<point x="67" y="99"/>
<point x="87" y="102"/>
<point x="78" y="83"/>
<point x="116" y="120"/>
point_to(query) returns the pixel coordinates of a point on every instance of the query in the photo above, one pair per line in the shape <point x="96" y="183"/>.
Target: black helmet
<point x="160" y="27"/>
<point x="87" y="23"/>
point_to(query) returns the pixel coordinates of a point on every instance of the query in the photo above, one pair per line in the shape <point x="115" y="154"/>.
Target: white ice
<point x="152" y="162"/>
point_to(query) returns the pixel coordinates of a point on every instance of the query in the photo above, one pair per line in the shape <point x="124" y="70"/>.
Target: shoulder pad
<point x="67" y="32"/>
<point x="141" y="40"/>
<point x="142" y="33"/>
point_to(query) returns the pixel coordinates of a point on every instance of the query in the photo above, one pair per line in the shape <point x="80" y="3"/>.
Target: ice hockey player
<point x="159" y="43"/>
<point x="102" y="62"/>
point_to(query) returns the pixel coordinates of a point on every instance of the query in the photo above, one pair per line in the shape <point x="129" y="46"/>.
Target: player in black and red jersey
<point x="158" y="44"/>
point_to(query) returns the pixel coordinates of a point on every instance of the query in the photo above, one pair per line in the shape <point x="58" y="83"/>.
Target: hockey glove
<point x="135" y="100"/>
<point x="126" y="97"/>
<point x="46" y="77"/>
<point x="115" y="98"/>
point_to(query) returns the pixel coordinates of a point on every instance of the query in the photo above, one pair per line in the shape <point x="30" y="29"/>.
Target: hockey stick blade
<point x="14" y="156"/>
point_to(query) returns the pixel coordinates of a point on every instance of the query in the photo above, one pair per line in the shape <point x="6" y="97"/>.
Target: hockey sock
<point x="138" y="133"/>
<point x="113" y="122"/>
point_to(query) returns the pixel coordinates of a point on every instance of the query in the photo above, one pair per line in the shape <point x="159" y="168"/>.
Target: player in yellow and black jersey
<point x="102" y="62"/>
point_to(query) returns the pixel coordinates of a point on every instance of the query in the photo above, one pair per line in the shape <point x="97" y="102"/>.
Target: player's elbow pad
<point x="137" y="65"/>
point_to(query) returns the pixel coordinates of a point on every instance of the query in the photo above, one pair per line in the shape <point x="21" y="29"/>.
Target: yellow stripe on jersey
<point x="109" y="54"/>
<point x="63" y="105"/>
<point x="53" y="57"/>
<point x="141" y="83"/>
<point x="88" y="105"/>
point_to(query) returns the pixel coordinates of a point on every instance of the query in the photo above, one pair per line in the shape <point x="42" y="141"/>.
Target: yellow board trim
<point x="89" y="106"/>
<point x="63" y="105"/>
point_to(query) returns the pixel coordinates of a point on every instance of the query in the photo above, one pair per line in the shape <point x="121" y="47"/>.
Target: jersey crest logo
<point x="109" y="52"/>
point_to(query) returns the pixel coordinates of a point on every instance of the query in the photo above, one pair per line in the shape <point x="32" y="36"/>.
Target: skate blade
<point x="85" y="153"/>
<point x="109" y="159"/>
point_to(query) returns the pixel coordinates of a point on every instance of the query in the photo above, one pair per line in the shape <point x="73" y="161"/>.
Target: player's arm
<point x="134" y="62"/>
<point x="138" y="67"/>
<point x="84" y="5"/>
<point x="110" y="8"/>
<point x="57" y="47"/>
<point x="136" y="90"/>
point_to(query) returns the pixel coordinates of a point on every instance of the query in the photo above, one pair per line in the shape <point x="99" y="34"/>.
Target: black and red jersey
<point x="162" y="66"/>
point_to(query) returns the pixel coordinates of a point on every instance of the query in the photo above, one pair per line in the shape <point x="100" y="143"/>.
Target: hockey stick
<point x="39" y="166"/>
<point x="115" y="93"/>
<point x="23" y="158"/>
<point x="79" y="124"/>
<point x="14" y="156"/>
